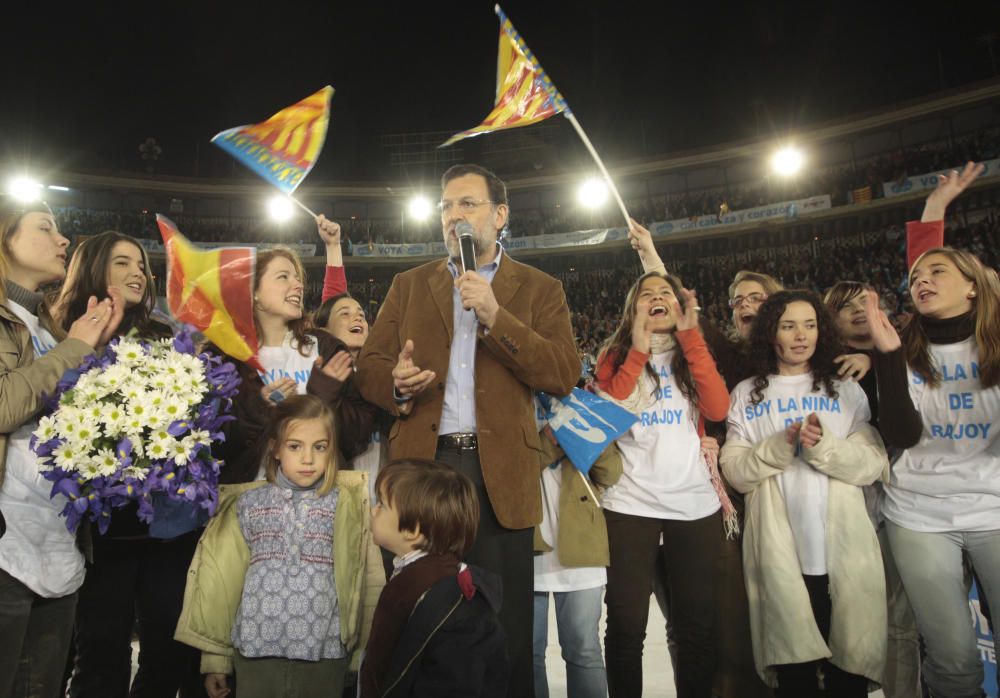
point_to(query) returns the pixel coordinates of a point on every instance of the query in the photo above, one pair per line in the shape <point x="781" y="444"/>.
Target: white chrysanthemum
<point x="138" y="448"/>
<point x="191" y="364"/>
<point x="200" y="436"/>
<point x="133" y="426"/>
<point x="158" y="450"/>
<point x="87" y="431"/>
<point x="174" y="408"/>
<point x="89" y="469"/>
<point x="106" y="462"/>
<point x="95" y="412"/>
<point x="114" y="377"/>
<point x="130" y="353"/>
<point x="139" y="412"/>
<point x="157" y="420"/>
<point x="158" y="398"/>
<point x="132" y="390"/>
<point x="135" y="472"/>
<point x="160" y="382"/>
<point x="182" y="451"/>
<point x="113" y="418"/>
<point x="67" y="456"/>
<point x="89" y="389"/>
<point x="46" y="430"/>
<point x="68" y="421"/>
<point x="174" y="368"/>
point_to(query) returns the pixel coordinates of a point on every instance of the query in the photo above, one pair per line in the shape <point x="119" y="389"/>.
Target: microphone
<point x="467" y="245"/>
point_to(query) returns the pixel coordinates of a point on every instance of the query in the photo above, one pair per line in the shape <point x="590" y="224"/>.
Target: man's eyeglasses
<point x="464" y="205"/>
<point x="751" y="298"/>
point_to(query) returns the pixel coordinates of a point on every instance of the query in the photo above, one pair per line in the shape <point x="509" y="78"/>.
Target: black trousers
<point x="135" y="580"/>
<point x="35" y="636"/>
<point x="800" y="680"/>
<point x="510" y="554"/>
<point x="690" y="559"/>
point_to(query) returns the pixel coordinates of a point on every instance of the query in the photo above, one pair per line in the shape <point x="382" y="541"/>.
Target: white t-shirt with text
<point x="950" y="481"/>
<point x="789" y="399"/>
<point x="664" y="474"/>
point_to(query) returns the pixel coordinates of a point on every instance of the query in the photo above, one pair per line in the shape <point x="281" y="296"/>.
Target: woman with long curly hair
<point x="799" y="447"/>
<point x="657" y="365"/>
<point x="940" y="399"/>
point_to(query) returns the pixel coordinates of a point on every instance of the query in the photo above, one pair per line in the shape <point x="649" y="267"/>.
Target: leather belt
<point x="459" y="442"/>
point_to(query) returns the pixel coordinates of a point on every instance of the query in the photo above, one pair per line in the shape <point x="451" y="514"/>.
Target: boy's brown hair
<point x="436" y="499"/>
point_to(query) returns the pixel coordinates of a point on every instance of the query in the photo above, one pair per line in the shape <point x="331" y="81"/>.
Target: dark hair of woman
<point x="764" y="357"/>
<point x="617" y="346"/>
<point x="322" y="314"/>
<point x="87" y="275"/>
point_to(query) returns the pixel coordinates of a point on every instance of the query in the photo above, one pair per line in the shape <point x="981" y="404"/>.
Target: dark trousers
<point x="35" y="636"/>
<point x="690" y="559"/>
<point x="800" y="680"/>
<point x="735" y="673"/>
<point x="510" y="554"/>
<point x="129" y="580"/>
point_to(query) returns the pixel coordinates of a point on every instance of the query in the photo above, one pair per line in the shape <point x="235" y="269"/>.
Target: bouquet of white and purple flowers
<point x="134" y="424"/>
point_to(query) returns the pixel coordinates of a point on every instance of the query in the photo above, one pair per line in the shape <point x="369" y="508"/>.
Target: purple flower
<point x="124" y="452"/>
<point x="184" y="342"/>
<point x="181" y="426"/>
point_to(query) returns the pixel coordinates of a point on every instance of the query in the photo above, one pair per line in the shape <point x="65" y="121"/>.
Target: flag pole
<point x="302" y="206"/>
<point x="600" y="165"/>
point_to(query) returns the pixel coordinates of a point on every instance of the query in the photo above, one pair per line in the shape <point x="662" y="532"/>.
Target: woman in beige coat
<point x="800" y="448"/>
<point x="41" y="567"/>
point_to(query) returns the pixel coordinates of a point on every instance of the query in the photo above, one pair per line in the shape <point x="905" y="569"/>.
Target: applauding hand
<point x="811" y="432"/>
<point x="883" y="333"/>
<point x="687" y="320"/>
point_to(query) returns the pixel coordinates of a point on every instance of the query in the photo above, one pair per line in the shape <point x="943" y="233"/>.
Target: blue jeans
<point x="930" y="565"/>
<point x="577" y="616"/>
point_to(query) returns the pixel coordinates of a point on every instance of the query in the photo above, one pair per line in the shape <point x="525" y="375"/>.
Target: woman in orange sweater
<point x="657" y="365"/>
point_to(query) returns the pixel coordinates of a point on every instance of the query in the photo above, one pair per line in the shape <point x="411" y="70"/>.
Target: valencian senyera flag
<point x="284" y="148"/>
<point x="525" y="95"/>
<point x="213" y="291"/>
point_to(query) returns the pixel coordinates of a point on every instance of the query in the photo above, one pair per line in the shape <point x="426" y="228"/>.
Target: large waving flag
<point x="213" y="291"/>
<point x="524" y="95"/>
<point x="284" y="148"/>
<point x="584" y="424"/>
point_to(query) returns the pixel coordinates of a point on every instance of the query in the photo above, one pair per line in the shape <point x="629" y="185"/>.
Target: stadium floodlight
<point x="787" y="161"/>
<point x="420" y="208"/>
<point x="592" y="194"/>
<point x="24" y="189"/>
<point x="279" y="208"/>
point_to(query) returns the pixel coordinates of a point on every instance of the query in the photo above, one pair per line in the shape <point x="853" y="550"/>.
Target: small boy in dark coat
<point x="435" y="630"/>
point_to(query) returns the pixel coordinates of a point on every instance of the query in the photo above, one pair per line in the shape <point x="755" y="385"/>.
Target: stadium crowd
<point x="843" y="182"/>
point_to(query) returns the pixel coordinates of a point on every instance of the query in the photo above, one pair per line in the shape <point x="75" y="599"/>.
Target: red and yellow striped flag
<point x="213" y="291"/>
<point x="524" y="94"/>
<point x="284" y="148"/>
